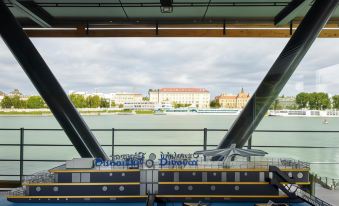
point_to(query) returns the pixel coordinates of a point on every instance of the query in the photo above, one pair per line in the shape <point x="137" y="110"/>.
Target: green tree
<point x="18" y="103"/>
<point x="78" y="100"/>
<point x="335" y="101"/>
<point x="6" y="102"/>
<point x="13" y="102"/>
<point x="214" y="104"/>
<point x="319" y="101"/>
<point x="35" y="102"/>
<point x="113" y="104"/>
<point x="179" y="105"/>
<point x="276" y="105"/>
<point x="93" y="101"/>
<point x="324" y="101"/>
<point x="302" y="100"/>
<point x="104" y="103"/>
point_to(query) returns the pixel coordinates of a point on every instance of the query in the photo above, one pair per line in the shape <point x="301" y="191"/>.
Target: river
<point x="313" y="155"/>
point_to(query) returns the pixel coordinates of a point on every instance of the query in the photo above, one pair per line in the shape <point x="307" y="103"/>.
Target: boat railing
<point x="311" y="199"/>
<point x="326" y="182"/>
<point x="20" y="191"/>
<point x="39" y="177"/>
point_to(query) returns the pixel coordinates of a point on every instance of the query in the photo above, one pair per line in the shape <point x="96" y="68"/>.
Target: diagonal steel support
<point x="291" y="11"/>
<point x="279" y="74"/>
<point x="34" y="12"/>
<point x="48" y="86"/>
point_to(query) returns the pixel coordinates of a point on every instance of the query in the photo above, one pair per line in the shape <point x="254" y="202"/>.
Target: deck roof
<point x="202" y="18"/>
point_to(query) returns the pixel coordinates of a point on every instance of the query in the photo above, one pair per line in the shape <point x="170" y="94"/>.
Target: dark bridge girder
<point x="279" y="74"/>
<point x="48" y="86"/>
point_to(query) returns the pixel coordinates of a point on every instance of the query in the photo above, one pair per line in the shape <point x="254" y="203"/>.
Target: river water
<point x="313" y="155"/>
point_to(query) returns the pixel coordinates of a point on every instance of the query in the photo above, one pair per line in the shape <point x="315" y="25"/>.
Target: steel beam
<point x="48" y="86"/>
<point x="34" y="12"/>
<point x="241" y="33"/>
<point x="279" y="74"/>
<point x="291" y="11"/>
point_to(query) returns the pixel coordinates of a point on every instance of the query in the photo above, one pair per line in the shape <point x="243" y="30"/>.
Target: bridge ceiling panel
<point x="85" y="12"/>
<point x="138" y="13"/>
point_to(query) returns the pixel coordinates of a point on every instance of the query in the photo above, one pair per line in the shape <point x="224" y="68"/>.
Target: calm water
<point x="164" y="138"/>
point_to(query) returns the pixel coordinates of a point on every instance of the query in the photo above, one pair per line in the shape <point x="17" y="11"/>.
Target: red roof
<point x="183" y="90"/>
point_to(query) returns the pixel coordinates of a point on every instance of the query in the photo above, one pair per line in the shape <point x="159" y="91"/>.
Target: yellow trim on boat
<point x="222" y="196"/>
<point x="213" y="183"/>
<point x="45" y="197"/>
<point x="226" y="183"/>
<point x="231" y="170"/>
<point x="81" y="183"/>
<point x="74" y="170"/>
<point x="297" y="183"/>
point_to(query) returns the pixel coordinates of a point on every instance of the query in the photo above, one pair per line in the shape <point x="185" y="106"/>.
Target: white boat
<point x="180" y="111"/>
<point x="219" y="111"/>
<point x="195" y="111"/>
<point x="304" y="113"/>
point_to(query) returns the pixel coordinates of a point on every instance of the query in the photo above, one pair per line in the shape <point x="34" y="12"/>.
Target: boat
<point x="197" y="111"/>
<point x="219" y="111"/>
<point x="304" y="113"/>
<point x="170" y="178"/>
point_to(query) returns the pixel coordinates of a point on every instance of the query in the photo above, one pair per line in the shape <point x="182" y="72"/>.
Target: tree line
<point x="36" y="102"/>
<point x="317" y="101"/>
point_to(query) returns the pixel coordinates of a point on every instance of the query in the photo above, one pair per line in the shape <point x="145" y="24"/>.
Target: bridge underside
<point x="153" y="18"/>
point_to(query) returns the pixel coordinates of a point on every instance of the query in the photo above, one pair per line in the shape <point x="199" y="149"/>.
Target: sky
<point x="138" y="64"/>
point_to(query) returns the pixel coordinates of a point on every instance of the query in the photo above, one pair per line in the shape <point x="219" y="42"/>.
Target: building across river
<point x="233" y="101"/>
<point x="196" y="97"/>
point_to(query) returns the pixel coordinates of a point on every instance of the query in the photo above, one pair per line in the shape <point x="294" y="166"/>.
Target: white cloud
<point x="327" y="79"/>
<point x="137" y="64"/>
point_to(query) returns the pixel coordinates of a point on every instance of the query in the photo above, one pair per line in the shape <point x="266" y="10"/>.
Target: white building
<point x="197" y="97"/>
<point x="118" y="97"/>
<point x="143" y="105"/>
<point x="123" y="97"/>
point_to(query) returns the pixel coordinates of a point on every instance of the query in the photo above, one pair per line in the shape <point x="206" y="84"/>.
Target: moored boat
<point x="170" y="178"/>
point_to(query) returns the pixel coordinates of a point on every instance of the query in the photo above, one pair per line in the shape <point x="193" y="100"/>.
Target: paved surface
<point x="330" y="196"/>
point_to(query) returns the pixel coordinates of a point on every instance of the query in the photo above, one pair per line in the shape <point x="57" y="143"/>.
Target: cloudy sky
<point x="137" y="64"/>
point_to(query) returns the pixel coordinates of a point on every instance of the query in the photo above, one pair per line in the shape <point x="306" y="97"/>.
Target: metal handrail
<point x="204" y="144"/>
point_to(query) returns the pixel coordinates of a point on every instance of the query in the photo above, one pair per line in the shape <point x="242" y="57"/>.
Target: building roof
<point x="241" y="94"/>
<point x="183" y="90"/>
<point x="110" y="18"/>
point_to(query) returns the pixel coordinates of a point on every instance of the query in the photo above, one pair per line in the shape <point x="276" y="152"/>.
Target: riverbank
<point x="87" y="112"/>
